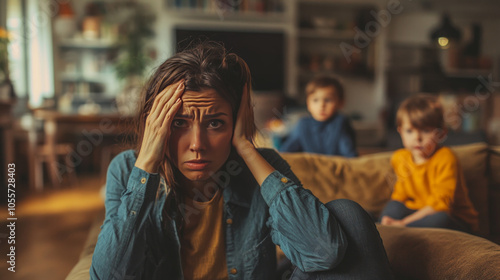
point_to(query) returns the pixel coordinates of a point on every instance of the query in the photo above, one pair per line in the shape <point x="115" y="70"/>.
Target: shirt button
<point x="233" y="271"/>
<point x="132" y="213"/>
<point x="143" y="180"/>
<point x="229" y="221"/>
<point x="284" y="180"/>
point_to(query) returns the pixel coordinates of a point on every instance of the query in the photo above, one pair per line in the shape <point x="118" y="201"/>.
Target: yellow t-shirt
<point x="438" y="182"/>
<point x="203" y="249"/>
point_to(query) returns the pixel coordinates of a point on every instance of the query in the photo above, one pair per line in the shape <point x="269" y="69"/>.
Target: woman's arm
<point x="300" y="224"/>
<point x="130" y="194"/>
<point x="131" y="191"/>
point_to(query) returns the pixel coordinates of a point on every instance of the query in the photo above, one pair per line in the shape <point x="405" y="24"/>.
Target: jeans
<point x="398" y="210"/>
<point x="365" y="257"/>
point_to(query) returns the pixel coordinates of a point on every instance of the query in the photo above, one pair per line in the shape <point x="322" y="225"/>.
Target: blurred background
<point x="70" y="73"/>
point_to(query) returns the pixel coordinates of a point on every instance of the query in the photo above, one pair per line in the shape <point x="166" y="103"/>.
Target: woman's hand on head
<point x="242" y="133"/>
<point x="157" y="130"/>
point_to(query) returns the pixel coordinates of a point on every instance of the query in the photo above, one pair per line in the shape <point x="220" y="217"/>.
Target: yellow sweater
<point x="439" y="183"/>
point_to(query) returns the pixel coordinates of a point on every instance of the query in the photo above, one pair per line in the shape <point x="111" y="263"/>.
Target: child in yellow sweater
<point x="430" y="190"/>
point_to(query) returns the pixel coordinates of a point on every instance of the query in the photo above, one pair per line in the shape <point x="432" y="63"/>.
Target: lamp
<point x="445" y="33"/>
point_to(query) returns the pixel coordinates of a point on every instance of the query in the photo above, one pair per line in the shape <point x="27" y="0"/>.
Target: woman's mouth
<point x="197" y="164"/>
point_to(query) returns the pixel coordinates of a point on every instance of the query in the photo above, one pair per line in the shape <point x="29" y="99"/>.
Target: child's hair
<point x="326" y="81"/>
<point x="423" y="111"/>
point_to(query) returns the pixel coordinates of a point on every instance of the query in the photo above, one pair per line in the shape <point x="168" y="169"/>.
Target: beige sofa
<point x="413" y="253"/>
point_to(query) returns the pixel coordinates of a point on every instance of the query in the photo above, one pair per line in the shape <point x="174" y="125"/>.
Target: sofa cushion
<point x="494" y="192"/>
<point x="369" y="179"/>
<point x="436" y="254"/>
<point x="474" y="161"/>
<point x="81" y="270"/>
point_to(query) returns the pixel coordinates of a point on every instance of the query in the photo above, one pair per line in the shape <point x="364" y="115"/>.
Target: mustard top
<point x="203" y="249"/>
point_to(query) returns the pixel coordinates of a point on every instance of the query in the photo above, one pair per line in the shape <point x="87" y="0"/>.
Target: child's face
<point x="422" y="143"/>
<point x="323" y="103"/>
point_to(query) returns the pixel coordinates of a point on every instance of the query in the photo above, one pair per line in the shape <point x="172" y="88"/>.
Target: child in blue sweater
<point x="326" y="131"/>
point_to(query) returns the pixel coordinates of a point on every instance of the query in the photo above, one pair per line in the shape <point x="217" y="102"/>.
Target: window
<point x="30" y="51"/>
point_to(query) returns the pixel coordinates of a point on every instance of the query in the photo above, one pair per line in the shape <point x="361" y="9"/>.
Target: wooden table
<point x="91" y="130"/>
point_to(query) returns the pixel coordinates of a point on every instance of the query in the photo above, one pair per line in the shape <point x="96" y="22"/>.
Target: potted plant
<point x="6" y="88"/>
<point x="133" y="58"/>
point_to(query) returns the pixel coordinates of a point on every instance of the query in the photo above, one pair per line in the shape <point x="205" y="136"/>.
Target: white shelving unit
<point x="324" y="26"/>
<point x="84" y="68"/>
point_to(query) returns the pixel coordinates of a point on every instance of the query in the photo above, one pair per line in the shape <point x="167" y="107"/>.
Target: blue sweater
<point x="332" y="137"/>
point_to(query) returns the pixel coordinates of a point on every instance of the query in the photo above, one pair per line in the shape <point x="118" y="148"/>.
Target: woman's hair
<point x="324" y="82"/>
<point x="423" y="111"/>
<point x="205" y="65"/>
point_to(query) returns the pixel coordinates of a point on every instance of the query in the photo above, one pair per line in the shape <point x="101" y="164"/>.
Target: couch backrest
<point x="369" y="179"/>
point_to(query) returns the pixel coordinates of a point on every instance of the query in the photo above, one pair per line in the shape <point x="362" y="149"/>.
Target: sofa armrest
<point x="436" y="254"/>
<point x="81" y="270"/>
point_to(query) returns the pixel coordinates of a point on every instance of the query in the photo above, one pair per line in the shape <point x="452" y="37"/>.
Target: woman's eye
<point x="215" y="123"/>
<point x="179" y="123"/>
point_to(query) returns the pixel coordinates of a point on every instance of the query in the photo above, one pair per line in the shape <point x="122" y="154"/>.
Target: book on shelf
<point x="230" y="5"/>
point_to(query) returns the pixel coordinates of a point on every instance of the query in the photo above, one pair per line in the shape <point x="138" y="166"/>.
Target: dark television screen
<point x="263" y="52"/>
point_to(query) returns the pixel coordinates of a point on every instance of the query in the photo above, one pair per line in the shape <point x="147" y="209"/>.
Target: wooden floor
<point x="50" y="230"/>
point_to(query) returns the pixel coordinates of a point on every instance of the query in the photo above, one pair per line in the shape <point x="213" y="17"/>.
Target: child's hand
<point x="388" y="221"/>
<point x="242" y="133"/>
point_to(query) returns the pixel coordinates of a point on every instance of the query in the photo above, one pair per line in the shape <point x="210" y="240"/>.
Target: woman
<point x="197" y="200"/>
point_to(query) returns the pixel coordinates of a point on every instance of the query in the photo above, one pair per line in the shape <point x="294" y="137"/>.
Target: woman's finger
<point x="163" y="97"/>
<point x="169" y="115"/>
<point x="175" y="96"/>
<point x="171" y="107"/>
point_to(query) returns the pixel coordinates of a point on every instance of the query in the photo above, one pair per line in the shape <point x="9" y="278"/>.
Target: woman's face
<point x="201" y="134"/>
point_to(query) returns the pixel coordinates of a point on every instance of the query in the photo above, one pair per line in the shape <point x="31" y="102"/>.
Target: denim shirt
<point x="138" y="241"/>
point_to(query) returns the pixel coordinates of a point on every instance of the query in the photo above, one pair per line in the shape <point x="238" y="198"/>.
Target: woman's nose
<point x="197" y="140"/>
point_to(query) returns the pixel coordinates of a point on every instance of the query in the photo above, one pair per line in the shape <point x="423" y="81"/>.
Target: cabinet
<point x="328" y="34"/>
